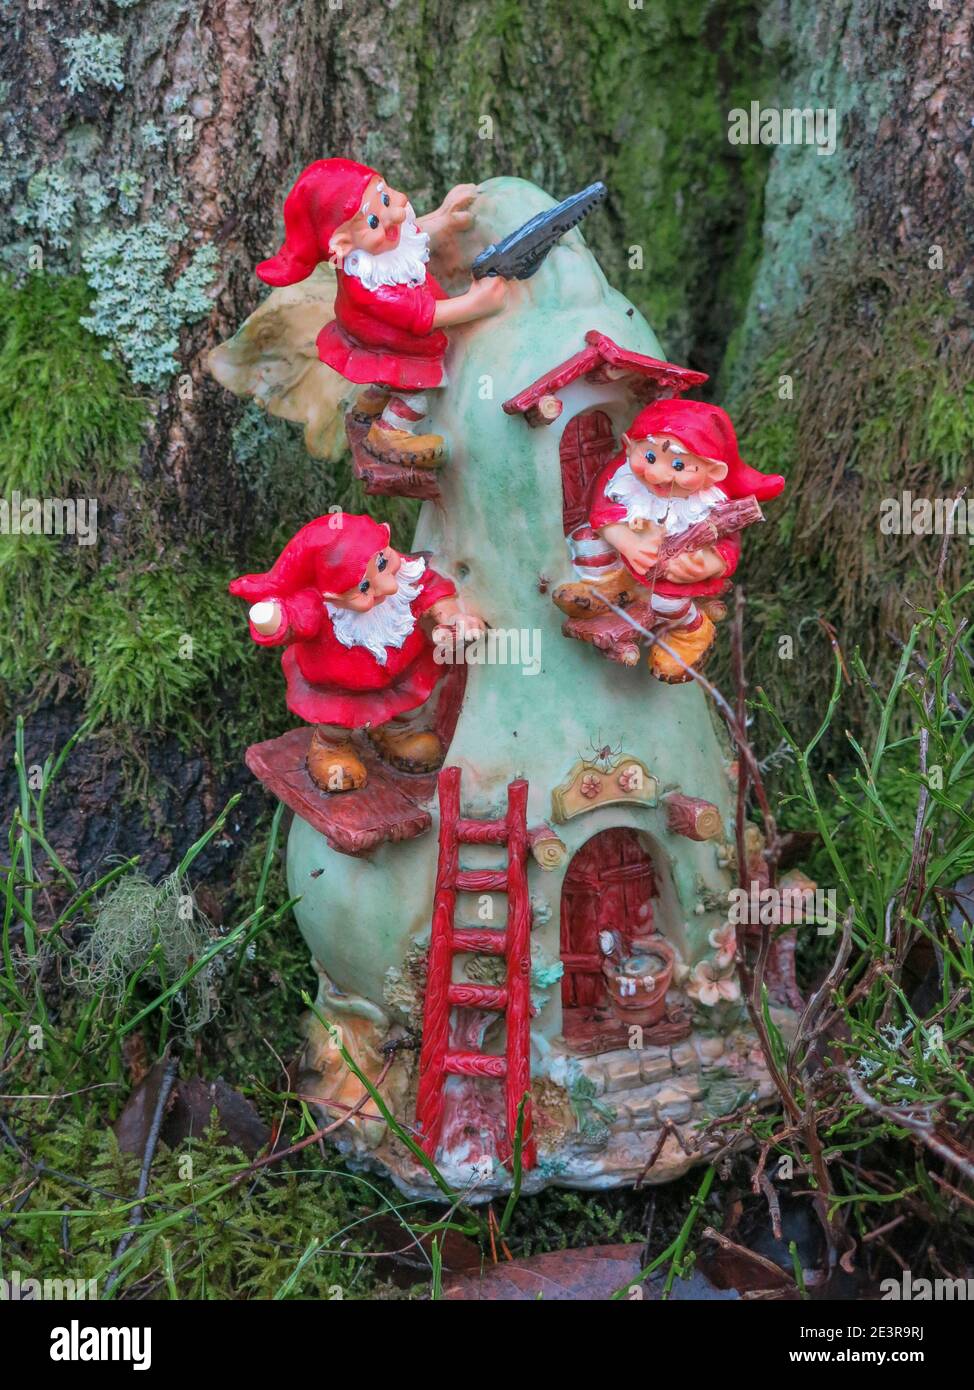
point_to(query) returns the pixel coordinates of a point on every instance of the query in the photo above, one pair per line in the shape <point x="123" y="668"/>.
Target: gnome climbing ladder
<point x="512" y="999"/>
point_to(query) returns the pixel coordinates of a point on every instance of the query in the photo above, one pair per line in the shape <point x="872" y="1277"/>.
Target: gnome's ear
<point x="626" y="441"/>
<point x="340" y="244"/>
<point x="717" y="471"/>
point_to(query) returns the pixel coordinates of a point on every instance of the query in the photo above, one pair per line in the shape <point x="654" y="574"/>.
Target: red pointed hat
<point x="330" y="554"/>
<point x="708" y="432"/>
<point x="325" y="195"/>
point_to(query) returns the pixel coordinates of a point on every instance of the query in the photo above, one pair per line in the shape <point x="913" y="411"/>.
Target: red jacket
<point x="385" y="337"/>
<point x="329" y="683"/>
<point x="605" y="512"/>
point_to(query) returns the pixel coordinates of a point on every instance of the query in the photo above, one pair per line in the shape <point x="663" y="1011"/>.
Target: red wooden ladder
<point x="513" y="942"/>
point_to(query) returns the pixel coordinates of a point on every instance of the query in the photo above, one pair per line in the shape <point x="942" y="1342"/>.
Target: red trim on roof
<point x="602" y="350"/>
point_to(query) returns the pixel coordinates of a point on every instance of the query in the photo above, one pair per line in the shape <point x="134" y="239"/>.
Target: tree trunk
<point x="850" y="369"/>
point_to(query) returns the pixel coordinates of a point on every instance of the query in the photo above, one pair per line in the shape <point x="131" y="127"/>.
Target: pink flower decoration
<point x="590" y="785"/>
<point x="724" y="941"/>
<point x="629" y="778"/>
<point x="708" y="986"/>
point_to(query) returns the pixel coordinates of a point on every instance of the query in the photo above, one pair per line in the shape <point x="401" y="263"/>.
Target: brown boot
<point x="691" y="645"/>
<point x="583" y="598"/>
<point x="402" y="448"/>
<point x="409" y="750"/>
<point x="369" y="405"/>
<point x="334" y="765"/>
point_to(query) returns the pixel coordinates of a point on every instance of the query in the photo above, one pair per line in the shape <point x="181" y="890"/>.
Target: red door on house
<point x="587" y="445"/>
<point x="609" y="886"/>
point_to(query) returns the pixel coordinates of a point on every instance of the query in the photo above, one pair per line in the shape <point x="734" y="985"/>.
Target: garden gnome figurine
<point x="347" y="608"/>
<point x="390" y="313"/>
<point x="680" y="461"/>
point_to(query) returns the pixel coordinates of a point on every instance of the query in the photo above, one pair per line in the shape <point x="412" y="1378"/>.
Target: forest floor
<point x="150" y="1139"/>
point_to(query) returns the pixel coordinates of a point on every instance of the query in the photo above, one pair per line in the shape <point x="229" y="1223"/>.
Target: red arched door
<point x="587" y="444"/>
<point x="609" y="886"/>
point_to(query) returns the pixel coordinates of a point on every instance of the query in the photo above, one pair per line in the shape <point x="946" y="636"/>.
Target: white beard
<point x="674" y="514"/>
<point x="403" y="264"/>
<point x="389" y="623"/>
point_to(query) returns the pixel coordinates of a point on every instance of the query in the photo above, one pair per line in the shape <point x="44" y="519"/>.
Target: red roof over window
<point x="603" y="360"/>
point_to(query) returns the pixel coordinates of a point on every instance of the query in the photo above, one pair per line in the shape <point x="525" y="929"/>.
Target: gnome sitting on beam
<point x="680" y="461"/>
<point x="353" y="615"/>
<point x="387" y="333"/>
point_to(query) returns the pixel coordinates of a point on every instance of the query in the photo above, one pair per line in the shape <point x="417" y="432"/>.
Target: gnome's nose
<point x="382" y="590"/>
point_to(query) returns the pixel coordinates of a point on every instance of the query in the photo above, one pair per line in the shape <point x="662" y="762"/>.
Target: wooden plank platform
<point x="391" y="807"/>
<point x="616" y="638"/>
<point x="388" y="479"/>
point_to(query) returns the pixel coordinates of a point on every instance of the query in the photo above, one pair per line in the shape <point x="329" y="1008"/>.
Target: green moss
<point x="286" y="484"/>
<point x="267" y="1237"/>
<point x="140" y="623"/>
<point x="158" y="643"/>
<point x="68" y="416"/>
<point x="644" y="94"/>
<point x="907" y="426"/>
<point x="257" y="1241"/>
<point x="143" y="627"/>
<point x="151" y="642"/>
<point x="692" y="201"/>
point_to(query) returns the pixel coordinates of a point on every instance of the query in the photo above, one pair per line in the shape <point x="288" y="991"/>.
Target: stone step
<point x="685" y="1057"/>
<point x="624" y="1070"/>
<point x="645" y="1106"/>
<point x="655" y="1068"/>
<point x="640" y="1108"/>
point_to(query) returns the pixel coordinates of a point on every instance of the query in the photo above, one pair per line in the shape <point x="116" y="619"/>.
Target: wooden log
<point x="473" y="941"/>
<point x="548" y="850"/>
<point x="475" y="1064"/>
<point x="692" y="817"/>
<point x="545" y="412"/>
<point x="715" y="608"/>
<point x="478" y="997"/>
<point x="605" y="372"/>
<point x="723" y="521"/>
<point x="481" y="832"/>
<point x="625" y="653"/>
